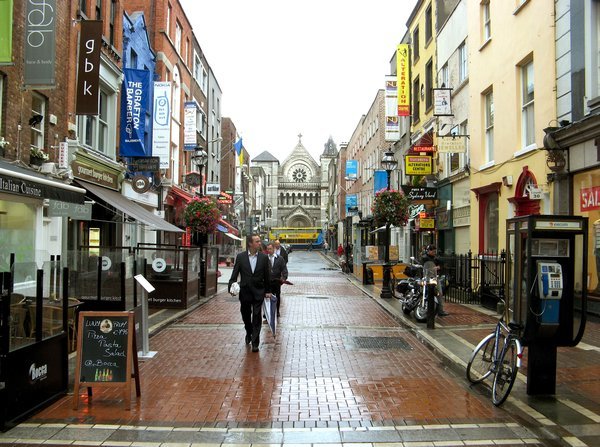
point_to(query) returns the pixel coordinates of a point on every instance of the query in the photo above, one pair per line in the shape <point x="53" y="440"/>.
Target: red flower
<point x="202" y="215"/>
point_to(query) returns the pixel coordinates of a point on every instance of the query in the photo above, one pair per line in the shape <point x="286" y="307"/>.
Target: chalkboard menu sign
<point x="105" y="352"/>
<point x="104" y="349"/>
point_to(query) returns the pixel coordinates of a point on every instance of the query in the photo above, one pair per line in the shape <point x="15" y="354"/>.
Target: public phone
<point x="550" y="280"/>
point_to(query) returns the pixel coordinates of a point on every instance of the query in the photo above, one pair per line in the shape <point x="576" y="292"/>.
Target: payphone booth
<point x="546" y="289"/>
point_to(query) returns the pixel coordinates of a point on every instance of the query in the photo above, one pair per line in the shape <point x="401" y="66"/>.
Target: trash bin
<point x="369" y="278"/>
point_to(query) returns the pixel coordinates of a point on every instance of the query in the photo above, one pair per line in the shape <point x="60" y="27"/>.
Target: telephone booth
<point x="546" y="289"/>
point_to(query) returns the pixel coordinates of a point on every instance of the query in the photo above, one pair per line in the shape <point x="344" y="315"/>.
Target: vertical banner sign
<point x="161" y="123"/>
<point x="351" y="202"/>
<point x="189" y="125"/>
<point x="6" y="26"/>
<point x="442" y="102"/>
<point x="88" y="70"/>
<point x="63" y="154"/>
<point x="403" y="80"/>
<point x="134" y="103"/>
<point x="351" y="169"/>
<point x="380" y="180"/>
<point x="40" y="43"/>
<point x="392" y="123"/>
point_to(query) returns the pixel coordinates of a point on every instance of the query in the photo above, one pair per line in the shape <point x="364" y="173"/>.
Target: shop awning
<point x="26" y="183"/>
<point x="222" y="229"/>
<point x="230" y="228"/>
<point x="233" y="236"/>
<point x="130" y="208"/>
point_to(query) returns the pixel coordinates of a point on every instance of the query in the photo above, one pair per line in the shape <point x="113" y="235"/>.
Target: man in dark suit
<point x="279" y="272"/>
<point x="280" y="251"/>
<point x="255" y="286"/>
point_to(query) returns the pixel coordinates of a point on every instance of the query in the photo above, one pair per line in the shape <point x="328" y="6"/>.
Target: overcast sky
<point x="290" y="67"/>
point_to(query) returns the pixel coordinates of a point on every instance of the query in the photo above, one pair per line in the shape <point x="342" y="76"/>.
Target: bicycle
<point x="500" y="354"/>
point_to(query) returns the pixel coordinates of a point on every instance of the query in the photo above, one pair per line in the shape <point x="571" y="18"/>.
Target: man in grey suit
<point x="255" y="286"/>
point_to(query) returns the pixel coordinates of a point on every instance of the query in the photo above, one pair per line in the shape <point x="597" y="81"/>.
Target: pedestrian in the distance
<point x="255" y="285"/>
<point x="280" y="251"/>
<point x="279" y="273"/>
<point x="325" y="246"/>
<point x="340" y="251"/>
<point x="431" y="256"/>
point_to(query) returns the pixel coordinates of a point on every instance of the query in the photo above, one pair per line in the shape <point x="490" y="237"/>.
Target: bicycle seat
<point x="515" y="326"/>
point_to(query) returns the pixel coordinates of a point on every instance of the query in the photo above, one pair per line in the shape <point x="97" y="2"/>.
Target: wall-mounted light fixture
<point x="507" y="181"/>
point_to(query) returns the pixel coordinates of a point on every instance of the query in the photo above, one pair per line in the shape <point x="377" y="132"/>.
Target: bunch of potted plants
<point x="202" y="215"/>
<point x="390" y="206"/>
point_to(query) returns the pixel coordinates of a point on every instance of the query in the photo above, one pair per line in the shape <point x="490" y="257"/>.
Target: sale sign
<point x="589" y="198"/>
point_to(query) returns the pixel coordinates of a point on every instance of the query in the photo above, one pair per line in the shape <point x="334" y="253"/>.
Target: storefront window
<point x="586" y="191"/>
<point x="17" y="232"/>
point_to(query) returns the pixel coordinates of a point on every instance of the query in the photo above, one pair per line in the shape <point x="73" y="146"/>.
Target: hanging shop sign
<point x="442" y="102"/>
<point x="134" y="103"/>
<point x="427" y="223"/>
<point x="403" y="79"/>
<point x="420" y="193"/>
<point x="392" y="122"/>
<point x="225" y="198"/>
<point x="161" y="123"/>
<point x="140" y="184"/>
<point x="143" y="164"/>
<point x="40" y="43"/>
<point x="88" y="71"/>
<point x="417" y="165"/>
<point x="455" y="144"/>
<point x="190" y="111"/>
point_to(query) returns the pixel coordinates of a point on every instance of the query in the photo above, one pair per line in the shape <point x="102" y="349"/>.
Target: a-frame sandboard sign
<point x="106" y="353"/>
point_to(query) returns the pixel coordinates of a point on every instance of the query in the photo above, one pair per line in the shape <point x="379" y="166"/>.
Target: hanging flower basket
<point x="202" y="215"/>
<point x="390" y="207"/>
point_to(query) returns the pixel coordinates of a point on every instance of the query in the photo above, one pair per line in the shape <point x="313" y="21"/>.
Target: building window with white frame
<point x="486" y="21"/>
<point x="491" y="223"/>
<point x="456" y="161"/>
<point x="38" y="113"/>
<point x="178" y="33"/>
<point x="527" y="109"/>
<point x="489" y="126"/>
<point x="176" y="92"/>
<point x="463" y="66"/>
<point x="168" y="24"/>
<point x="93" y="129"/>
<point x="444" y="80"/>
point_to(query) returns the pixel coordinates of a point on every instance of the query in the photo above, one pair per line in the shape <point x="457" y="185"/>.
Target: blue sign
<point x="134" y="103"/>
<point x="351" y="201"/>
<point x="351" y="169"/>
<point x="380" y="180"/>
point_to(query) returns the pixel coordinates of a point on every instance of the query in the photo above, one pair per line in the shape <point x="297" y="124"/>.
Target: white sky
<point x="309" y="66"/>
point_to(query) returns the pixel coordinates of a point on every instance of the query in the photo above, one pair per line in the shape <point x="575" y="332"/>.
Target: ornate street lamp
<point x="200" y="158"/>
<point x="389" y="163"/>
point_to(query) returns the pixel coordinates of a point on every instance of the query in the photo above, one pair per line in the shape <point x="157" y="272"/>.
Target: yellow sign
<point x="403" y="79"/>
<point x="393" y="252"/>
<point x="417" y="165"/>
<point x="428" y="223"/>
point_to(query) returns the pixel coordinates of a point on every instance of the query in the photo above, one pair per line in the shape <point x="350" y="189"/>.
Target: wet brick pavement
<point x="345" y="368"/>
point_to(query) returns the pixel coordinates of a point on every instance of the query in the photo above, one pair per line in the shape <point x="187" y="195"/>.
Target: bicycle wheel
<point x="481" y="364"/>
<point x="506" y="373"/>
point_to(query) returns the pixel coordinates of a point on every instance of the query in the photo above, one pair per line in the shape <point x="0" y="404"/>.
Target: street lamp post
<point x="200" y="157"/>
<point x="389" y="163"/>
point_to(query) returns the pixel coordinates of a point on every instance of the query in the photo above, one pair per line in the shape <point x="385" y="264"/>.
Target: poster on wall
<point x="161" y="123"/>
<point x="392" y="122"/>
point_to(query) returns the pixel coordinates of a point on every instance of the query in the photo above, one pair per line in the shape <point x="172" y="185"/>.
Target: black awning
<point x="130" y="208"/>
<point x="26" y="183"/>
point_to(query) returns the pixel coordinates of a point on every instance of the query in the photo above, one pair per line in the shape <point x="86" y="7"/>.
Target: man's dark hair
<point x="431" y="247"/>
<point x="249" y="238"/>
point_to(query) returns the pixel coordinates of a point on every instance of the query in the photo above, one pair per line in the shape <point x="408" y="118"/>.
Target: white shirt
<point x="272" y="259"/>
<point x="253" y="259"/>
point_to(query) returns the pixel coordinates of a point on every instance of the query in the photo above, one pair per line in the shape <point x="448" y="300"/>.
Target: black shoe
<point x="248" y="339"/>
<point x="278" y="314"/>
<point x="254" y="348"/>
<point x="443" y="314"/>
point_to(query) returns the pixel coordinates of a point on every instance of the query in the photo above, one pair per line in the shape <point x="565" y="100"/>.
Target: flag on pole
<point x="238" y="150"/>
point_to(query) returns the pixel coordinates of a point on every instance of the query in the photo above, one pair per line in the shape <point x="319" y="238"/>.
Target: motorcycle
<point x="429" y="288"/>
<point x="408" y="290"/>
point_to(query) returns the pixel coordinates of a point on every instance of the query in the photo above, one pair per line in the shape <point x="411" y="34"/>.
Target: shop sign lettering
<point x="590" y="198"/>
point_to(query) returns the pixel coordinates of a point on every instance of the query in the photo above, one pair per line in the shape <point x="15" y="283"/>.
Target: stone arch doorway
<point x="524" y="205"/>
<point x="299" y="222"/>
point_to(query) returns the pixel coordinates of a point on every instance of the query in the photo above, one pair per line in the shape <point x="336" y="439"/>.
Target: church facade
<point x="297" y="190"/>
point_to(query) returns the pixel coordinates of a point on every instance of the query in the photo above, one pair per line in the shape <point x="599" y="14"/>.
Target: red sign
<point x="422" y="149"/>
<point x="590" y="198"/>
<point x="225" y="198"/>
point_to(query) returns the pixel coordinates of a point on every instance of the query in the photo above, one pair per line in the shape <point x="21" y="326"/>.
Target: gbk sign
<point x="88" y="71"/>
